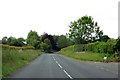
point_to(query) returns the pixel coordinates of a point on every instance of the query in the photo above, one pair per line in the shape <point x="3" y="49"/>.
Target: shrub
<point x="102" y="47"/>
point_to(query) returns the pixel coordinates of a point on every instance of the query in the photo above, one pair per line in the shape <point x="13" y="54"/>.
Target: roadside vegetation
<point x="90" y="43"/>
<point x="86" y="55"/>
<point x="14" y="58"/>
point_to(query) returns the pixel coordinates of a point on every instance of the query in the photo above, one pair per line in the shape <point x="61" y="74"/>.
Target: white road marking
<point x="68" y="74"/>
<point x="59" y="65"/>
<point x="61" y="68"/>
<point x="53" y="58"/>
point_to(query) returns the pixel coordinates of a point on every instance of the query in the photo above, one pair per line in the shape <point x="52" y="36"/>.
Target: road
<point x="59" y="66"/>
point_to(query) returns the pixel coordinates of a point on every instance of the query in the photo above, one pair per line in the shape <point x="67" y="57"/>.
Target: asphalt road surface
<point x="59" y="66"/>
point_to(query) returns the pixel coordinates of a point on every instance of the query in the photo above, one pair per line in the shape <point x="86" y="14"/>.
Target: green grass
<point x="14" y="59"/>
<point x="85" y="56"/>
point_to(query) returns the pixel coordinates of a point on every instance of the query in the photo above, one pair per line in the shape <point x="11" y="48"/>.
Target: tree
<point x="33" y="39"/>
<point x="52" y="41"/>
<point x="84" y="30"/>
<point x="20" y="42"/>
<point x="118" y="44"/>
<point x="105" y="38"/>
<point x="12" y="41"/>
<point x="4" y="40"/>
<point x="63" y="41"/>
<point x="46" y="45"/>
<point x="55" y="38"/>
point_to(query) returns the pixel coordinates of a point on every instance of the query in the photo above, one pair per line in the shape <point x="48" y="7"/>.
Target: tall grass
<point x="13" y="59"/>
<point x="15" y="47"/>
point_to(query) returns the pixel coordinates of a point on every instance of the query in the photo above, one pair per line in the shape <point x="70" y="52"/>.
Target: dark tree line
<point x="12" y="41"/>
<point x="82" y="31"/>
<point x="35" y="40"/>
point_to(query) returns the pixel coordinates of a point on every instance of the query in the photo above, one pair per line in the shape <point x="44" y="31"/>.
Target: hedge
<point x="98" y="47"/>
<point x="14" y="47"/>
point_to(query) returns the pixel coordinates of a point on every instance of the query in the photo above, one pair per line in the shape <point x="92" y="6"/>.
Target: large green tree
<point x="84" y="30"/>
<point x="33" y="39"/>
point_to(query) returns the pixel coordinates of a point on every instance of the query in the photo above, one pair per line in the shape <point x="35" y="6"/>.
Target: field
<point x="13" y="59"/>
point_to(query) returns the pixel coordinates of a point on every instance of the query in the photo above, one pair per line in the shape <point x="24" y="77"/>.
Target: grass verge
<point x="13" y="59"/>
<point x="86" y="56"/>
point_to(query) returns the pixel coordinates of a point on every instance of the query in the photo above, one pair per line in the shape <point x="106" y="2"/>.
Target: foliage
<point x="46" y="46"/>
<point x="84" y="30"/>
<point x="4" y="40"/>
<point x="79" y="47"/>
<point x="63" y="41"/>
<point x="97" y="47"/>
<point x="104" y="38"/>
<point x="85" y="55"/>
<point x="117" y="46"/>
<point x="13" y="59"/>
<point x="20" y="41"/>
<point x="12" y="41"/>
<point x="102" y="47"/>
<point x="33" y="39"/>
<point x="0" y="41"/>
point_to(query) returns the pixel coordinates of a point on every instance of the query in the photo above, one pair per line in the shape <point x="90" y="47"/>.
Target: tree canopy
<point x="84" y="30"/>
<point x="33" y="39"/>
<point x="13" y="41"/>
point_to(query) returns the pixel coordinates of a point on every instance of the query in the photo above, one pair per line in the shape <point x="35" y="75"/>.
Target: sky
<point x="18" y="17"/>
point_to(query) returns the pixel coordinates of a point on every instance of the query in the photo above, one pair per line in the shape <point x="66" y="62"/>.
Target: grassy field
<point x="13" y="59"/>
<point x="86" y="56"/>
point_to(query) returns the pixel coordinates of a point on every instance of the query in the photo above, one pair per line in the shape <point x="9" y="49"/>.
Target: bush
<point x="102" y="47"/>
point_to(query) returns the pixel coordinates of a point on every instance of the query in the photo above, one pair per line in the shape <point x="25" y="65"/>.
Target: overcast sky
<point x="18" y="17"/>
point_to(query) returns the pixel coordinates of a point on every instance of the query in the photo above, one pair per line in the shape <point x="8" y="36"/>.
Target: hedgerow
<point x="14" y="47"/>
<point x="98" y="47"/>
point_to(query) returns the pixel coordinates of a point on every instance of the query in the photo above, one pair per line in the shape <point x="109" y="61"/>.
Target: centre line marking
<point x="68" y="74"/>
<point x="53" y="58"/>
<point x="59" y="65"/>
